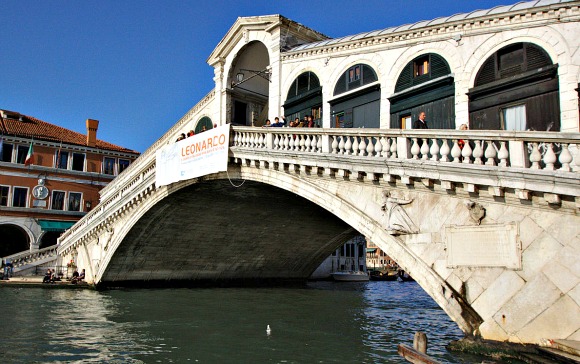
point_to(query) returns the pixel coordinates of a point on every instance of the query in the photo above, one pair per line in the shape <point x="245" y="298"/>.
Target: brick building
<point x="49" y="178"/>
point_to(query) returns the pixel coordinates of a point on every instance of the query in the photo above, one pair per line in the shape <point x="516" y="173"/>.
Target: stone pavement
<point x="36" y="281"/>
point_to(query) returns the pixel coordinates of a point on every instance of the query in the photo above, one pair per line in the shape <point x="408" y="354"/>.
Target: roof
<point x="425" y="23"/>
<point x="20" y="125"/>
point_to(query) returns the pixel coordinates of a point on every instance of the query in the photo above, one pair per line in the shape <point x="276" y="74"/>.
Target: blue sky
<point x="139" y="66"/>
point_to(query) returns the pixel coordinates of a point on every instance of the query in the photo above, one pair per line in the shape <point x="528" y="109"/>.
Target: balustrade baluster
<point x="386" y="142"/>
<point x="466" y="153"/>
<point x="550" y="157"/>
<point x="371" y="147"/>
<point x="415" y="149"/>
<point x="362" y="147"/>
<point x="394" y="154"/>
<point x="276" y="141"/>
<point x="348" y="146"/>
<point x="565" y="158"/>
<point x="444" y="150"/>
<point x="503" y="154"/>
<point x="287" y="139"/>
<point x="261" y="140"/>
<point x="334" y="145"/>
<point x="434" y="150"/>
<point x="291" y="142"/>
<point x="354" y="150"/>
<point x="425" y="149"/>
<point x="490" y="153"/>
<point x="302" y="142"/>
<point x="307" y="143"/>
<point x="535" y="156"/>
<point x="319" y="144"/>
<point x="237" y="139"/>
<point x="456" y="152"/>
<point x="478" y="153"/>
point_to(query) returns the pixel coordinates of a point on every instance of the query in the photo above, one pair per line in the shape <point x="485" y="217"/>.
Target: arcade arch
<point x="250" y="82"/>
<point x="304" y="98"/>
<point x="357" y="97"/>
<point x="14" y="239"/>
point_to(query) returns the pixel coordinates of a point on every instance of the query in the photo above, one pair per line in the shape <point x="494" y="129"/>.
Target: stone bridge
<point x="490" y="231"/>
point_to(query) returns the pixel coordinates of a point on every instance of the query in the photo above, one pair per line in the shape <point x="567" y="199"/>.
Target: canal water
<point x="323" y="322"/>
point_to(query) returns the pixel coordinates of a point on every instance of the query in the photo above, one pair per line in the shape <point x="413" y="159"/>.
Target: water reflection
<point x="325" y="322"/>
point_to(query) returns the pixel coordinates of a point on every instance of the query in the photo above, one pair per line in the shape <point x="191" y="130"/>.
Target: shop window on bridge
<point x="57" y="200"/>
<point x="203" y="124"/>
<point x="19" y="197"/>
<point x="109" y="165"/>
<point x="62" y="159"/>
<point x="123" y="164"/>
<point x="424" y="84"/>
<point x="355" y="77"/>
<point x="21" y="153"/>
<point x="78" y="162"/>
<point x="6" y="152"/>
<point x="4" y="191"/>
<point x="516" y="88"/>
<point x="74" y="201"/>
<point x="304" y="98"/>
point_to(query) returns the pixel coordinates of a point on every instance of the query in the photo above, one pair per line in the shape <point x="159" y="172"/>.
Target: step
<point x="560" y="356"/>
<point x="569" y="346"/>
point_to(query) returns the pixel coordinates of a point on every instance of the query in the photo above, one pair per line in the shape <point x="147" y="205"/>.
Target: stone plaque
<point x="494" y="245"/>
<point x="38" y="203"/>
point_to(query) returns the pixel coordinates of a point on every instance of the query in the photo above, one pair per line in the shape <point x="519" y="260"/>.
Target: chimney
<point x="92" y="126"/>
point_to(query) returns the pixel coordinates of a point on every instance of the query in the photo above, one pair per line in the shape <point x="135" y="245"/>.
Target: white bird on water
<point x="268" y="330"/>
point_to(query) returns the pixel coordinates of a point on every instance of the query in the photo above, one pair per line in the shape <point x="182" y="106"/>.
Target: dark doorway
<point x="240" y="113"/>
<point x="12" y="240"/>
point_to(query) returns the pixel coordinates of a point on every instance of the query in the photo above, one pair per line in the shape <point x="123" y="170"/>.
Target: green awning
<point x="371" y="250"/>
<point x="48" y="225"/>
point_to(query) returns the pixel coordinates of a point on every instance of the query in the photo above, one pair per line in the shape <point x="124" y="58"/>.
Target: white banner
<point x="199" y="155"/>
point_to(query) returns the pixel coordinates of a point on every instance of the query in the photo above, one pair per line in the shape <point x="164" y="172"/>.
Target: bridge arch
<point x="364" y="217"/>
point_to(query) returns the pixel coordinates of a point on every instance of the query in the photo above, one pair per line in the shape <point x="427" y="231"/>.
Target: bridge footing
<point x="205" y="283"/>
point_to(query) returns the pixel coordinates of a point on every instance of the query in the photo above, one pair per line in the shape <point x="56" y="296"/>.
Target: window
<point x="339" y="120"/>
<point x="6" y="152"/>
<point x="78" y="162"/>
<point x="62" y="160"/>
<point x="109" y="165"/>
<point x="354" y="74"/>
<point x="514" y="117"/>
<point x="406" y="122"/>
<point x="4" y="190"/>
<point x="123" y="164"/>
<point x="74" y="201"/>
<point x="20" y="196"/>
<point x="57" y="200"/>
<point x="21" y="155"/>
<point x="421" y="66"/>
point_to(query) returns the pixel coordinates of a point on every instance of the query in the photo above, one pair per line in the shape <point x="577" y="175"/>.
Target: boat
<point x="350" y="276"/>
<point x="405" y="277"/>
<point x="378" y="275"/>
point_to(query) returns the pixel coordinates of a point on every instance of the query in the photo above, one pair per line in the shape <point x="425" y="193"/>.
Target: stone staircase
<point x="558" y="351"/>
<point x="27" y="262"/>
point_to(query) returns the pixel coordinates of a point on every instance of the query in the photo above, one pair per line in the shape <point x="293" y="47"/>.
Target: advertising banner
<point x="196" y="156"/>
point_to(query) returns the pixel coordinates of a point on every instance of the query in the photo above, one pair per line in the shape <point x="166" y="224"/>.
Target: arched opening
<point x="516" y="89"/>
<point x="425" y="84"/>
<point x="14" y="240"/>
<point x="250" y="83"/>
<point x="203" y="124"/>
<point x="49" y="238"/>
<point x="356" y="102"/>
<point x="304" y="98"/>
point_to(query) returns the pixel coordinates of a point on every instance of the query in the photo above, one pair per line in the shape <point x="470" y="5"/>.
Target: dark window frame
<point x="60" y="200"/>
<point x="4" y="195"/>
<point x="17" y="195"/>
<point x="74" y="204"/>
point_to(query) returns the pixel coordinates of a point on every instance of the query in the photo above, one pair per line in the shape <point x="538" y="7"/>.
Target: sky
<point x="138" y="66"/>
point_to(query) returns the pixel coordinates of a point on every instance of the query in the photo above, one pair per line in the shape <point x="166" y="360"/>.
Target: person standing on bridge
<point x="421" y="123"/>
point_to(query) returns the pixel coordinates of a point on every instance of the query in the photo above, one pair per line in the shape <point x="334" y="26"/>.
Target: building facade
<point x="49" y="178"/>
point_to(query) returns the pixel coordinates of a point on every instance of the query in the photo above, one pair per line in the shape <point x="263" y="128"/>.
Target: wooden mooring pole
<point x="418" y="353"/>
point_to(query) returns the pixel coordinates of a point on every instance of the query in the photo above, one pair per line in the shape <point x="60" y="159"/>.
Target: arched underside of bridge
<point x="214" y="232"/>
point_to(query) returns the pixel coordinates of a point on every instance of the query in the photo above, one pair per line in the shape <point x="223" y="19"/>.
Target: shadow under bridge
<point x="214" y="233"/>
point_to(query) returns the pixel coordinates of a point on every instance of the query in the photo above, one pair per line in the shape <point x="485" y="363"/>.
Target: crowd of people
<point x="306" y="122"/>
<point x="51" y="276"/>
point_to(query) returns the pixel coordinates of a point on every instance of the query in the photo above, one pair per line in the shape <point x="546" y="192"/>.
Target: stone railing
<point x="28" y="257"/>
<point x="533" y="150"/>
<point x="523" y="162"/>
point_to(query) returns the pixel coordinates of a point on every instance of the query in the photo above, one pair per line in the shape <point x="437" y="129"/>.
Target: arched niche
<point x="425" y="84"/>
<point x="204" y="122"/>
<point x="304" y="98"/>
<point x="516" y="88"/>
<point x="249" y="79"/>
<point x="356" y="99"/>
